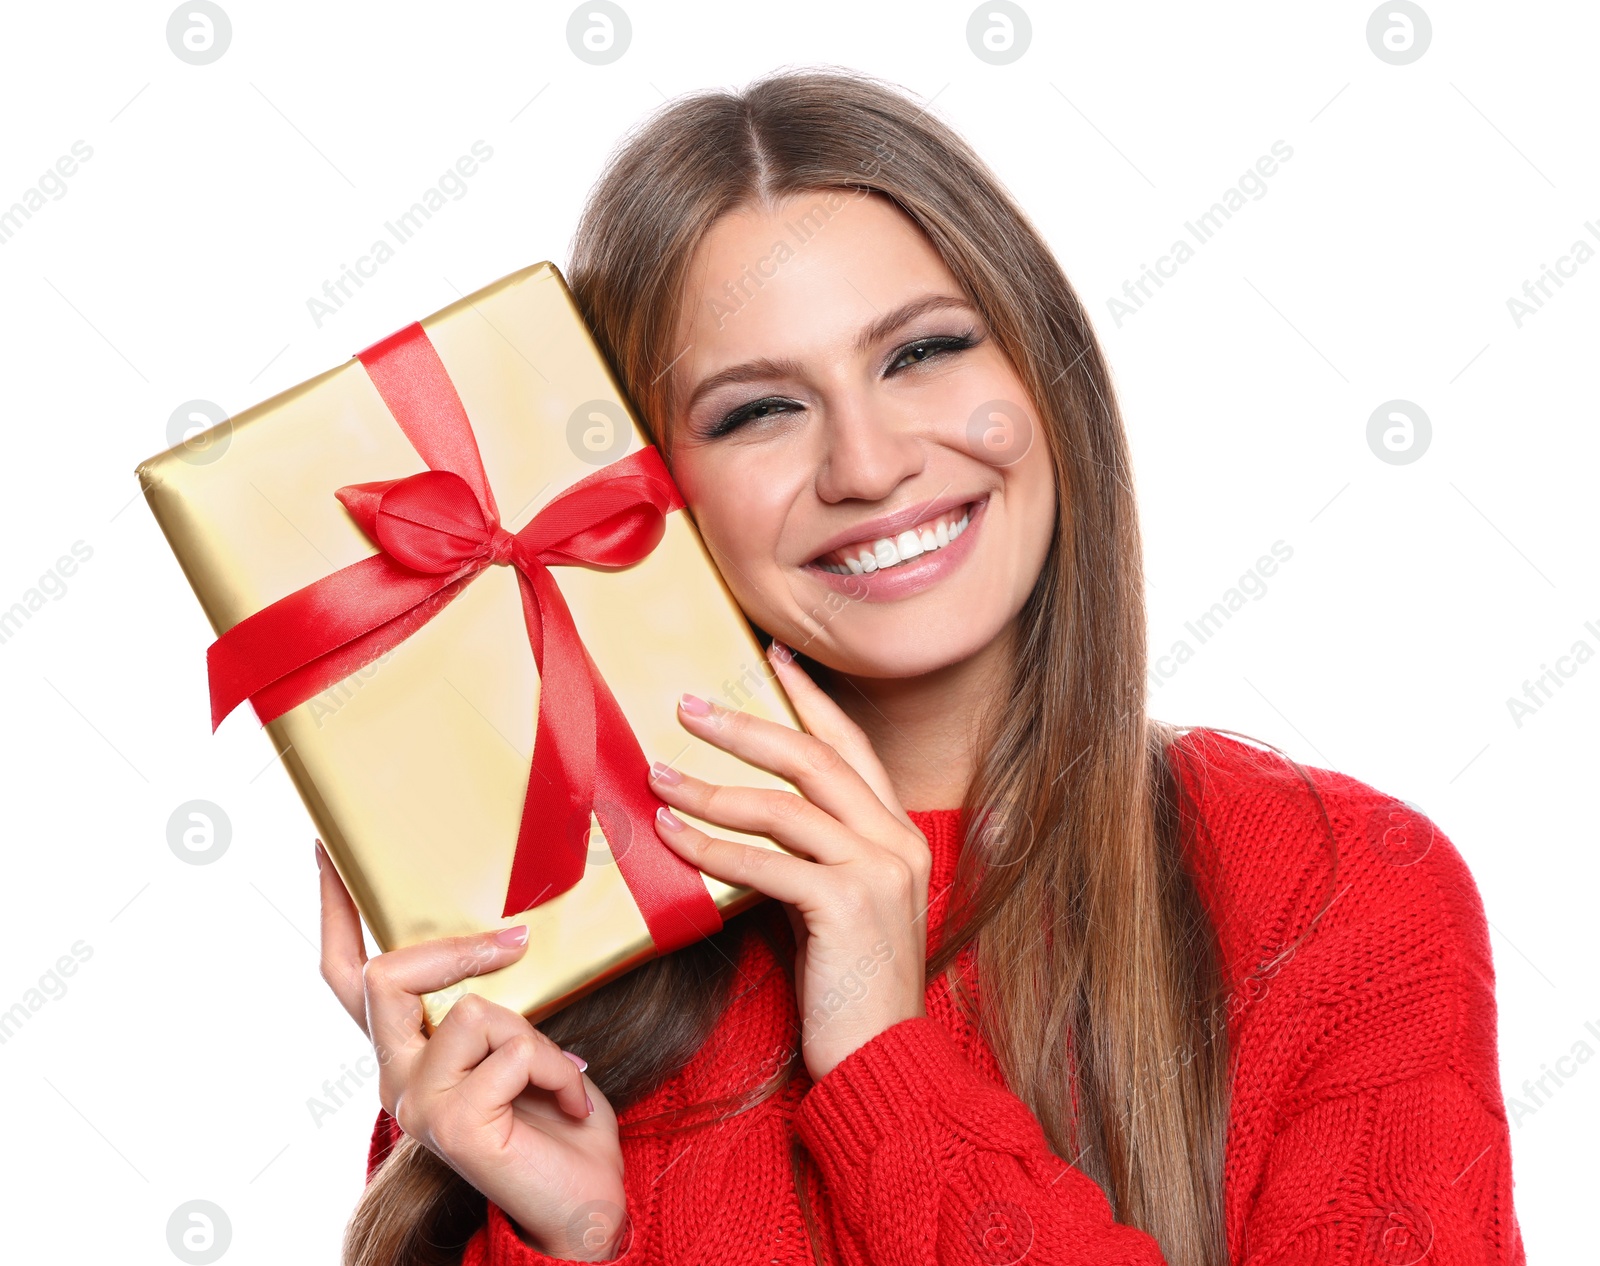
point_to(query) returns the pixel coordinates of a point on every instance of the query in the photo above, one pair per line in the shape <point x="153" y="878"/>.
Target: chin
<point x="910" y="655"/>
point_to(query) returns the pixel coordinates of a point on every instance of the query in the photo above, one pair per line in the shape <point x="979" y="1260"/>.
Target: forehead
<point x="798" y="279"/>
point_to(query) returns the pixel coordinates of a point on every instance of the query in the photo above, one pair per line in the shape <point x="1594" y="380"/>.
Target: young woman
<point x="1045" y="980"/>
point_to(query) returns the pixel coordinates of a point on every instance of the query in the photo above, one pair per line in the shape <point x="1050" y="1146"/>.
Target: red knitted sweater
<point x="1366" y="1122"/>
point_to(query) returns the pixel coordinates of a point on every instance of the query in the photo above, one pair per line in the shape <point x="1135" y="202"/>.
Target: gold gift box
<point x="415" y="767"/>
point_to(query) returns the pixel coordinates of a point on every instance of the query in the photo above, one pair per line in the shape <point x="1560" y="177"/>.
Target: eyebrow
<point x="764" y="367"/>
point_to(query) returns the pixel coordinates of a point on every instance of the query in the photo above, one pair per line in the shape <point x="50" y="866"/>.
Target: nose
<point x="867" y="453"/>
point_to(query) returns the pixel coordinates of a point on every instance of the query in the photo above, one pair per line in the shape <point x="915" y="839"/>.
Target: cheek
<point x="1031" y="497"/>
<point x="1037" y="485"/>
<point x="732" y="509"/>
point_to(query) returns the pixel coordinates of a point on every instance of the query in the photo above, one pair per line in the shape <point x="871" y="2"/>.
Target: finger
<point x="828" y="721"/>
<point x="820" y="771"/>
<point x="474" y="1031"/>
<point x="396" y="981"/>
<point x="792" y="820"/>
<point x="343" y="951"/>
<point x="508" y="1073"/>
<point x="789" y="879"/>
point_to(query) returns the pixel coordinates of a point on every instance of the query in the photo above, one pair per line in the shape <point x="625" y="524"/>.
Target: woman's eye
<point x="927" y="348"/>
<point x="754" y="411"/>
<point x="923" y="349"/>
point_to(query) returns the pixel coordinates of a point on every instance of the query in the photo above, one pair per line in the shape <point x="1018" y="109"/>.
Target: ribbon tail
<point x="587" y="756"/>
<point x="306" y="683"/>
<point x="670" y="893"/>
<point x="322" y="629"/>
<point x="553" y="839"/>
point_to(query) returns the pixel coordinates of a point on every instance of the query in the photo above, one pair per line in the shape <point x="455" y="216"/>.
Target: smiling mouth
<point x="884" y="553"/>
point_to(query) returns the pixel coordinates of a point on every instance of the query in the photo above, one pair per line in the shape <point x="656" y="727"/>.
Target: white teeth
<point x="888" y="551"/>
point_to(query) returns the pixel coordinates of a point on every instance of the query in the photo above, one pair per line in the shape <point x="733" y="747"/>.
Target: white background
<point x="1377" y="266"/>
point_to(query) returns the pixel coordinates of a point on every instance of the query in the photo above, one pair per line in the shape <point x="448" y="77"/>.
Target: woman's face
<point x="839" y="402"/>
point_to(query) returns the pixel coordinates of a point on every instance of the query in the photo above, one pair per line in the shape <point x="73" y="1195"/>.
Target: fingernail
<point x="512" y="936"/>
<point x="583" y="1064"/>
<point x="695" y="706"/>
<point x="589" y="1099"/>
<point x="780" y="651"/>
<point x="664" y="773"/>
<point x="319" y="854"/>
<point x="667" y="818"/>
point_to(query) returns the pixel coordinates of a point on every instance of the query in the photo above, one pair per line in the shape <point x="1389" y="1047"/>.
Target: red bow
<point x="436" y="530"/>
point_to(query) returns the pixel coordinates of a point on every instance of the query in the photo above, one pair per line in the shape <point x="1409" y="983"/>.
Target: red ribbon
<point x="436" y="530"/>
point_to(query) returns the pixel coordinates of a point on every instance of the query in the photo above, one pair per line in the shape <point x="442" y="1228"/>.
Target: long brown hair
<point x="1096" y="962"/>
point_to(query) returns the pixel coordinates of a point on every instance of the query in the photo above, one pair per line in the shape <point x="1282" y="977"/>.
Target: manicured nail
<point x="583" y="1064"/>
<point x="664" y="773"/>
<point x="319" y="854"/>
<point x="512" y="936"/>
<point x="667" y="818"/>
<point x="780" y="651"/>
<point x="695" y="706"/>
<point x="589" y="1099"/>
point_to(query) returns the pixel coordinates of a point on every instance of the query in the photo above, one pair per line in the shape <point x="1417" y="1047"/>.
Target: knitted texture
<point x="1366" y="1124"/>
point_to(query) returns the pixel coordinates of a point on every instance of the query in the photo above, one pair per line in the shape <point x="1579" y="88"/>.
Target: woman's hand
<point x="859" y="905"/>
<point x="500" y="1102"/>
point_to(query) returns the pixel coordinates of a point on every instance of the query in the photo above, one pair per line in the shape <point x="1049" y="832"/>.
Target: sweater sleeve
<point x="927" y="1162"/>
<point x="498" y="1244"/>
<point x="1368" y="1126"/>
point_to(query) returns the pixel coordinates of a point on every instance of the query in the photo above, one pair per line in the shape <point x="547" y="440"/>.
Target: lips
<point x="870" y="553"/>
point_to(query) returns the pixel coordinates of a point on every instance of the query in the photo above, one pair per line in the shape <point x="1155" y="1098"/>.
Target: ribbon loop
<point x="432" y="522"/>
<point x="436" y="529"/>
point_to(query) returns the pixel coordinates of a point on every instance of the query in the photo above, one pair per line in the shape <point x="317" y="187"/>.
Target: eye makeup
<point x="925" y="349"/>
